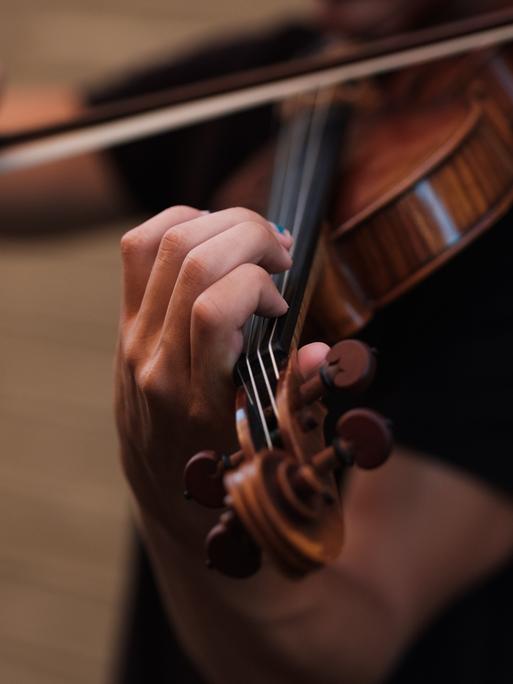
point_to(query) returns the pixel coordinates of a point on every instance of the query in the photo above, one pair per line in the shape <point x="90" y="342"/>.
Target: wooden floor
<point x="63" y="509"/>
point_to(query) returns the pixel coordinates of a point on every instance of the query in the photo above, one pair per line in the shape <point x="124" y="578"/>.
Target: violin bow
<point x="139" y="117"/>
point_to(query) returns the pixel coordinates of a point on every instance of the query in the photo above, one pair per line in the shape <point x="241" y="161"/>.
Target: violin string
<point x="270" y="393"/>
<point x="288" y="157"/>
<point x="285" y="160"/>
<point x="283" y="163"/>
<point x="307" y="131"/>
<point x="319" y="117"/>
<point x="257" y="402"/>
<point x="246" y="388"/>
<point x="312" y="135"/>
<point x="308" y="137"/>
<point x="300" y="134"/>
<point x="261" y="414"/>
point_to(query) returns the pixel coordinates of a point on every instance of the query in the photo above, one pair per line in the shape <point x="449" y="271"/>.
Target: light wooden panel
<point x="62" y="501"/>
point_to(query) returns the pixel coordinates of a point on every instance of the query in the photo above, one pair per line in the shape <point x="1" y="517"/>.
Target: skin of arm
<point x="32" y="201"/>
<point x="418" y="534"/>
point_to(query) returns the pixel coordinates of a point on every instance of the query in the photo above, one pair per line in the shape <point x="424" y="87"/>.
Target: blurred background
<point x="64" y="512"/>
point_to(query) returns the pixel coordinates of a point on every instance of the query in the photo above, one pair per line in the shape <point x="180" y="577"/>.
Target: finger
<point x="176" y="244"/>
<point x="217" y="319"/>
<point x="139" y="248"/>
<point x="251" y="242"/>
<point x="311" y="357"/>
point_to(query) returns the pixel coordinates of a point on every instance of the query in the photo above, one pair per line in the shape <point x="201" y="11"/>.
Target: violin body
<point x="444" y="177"/>
<point x="416" y="185"/>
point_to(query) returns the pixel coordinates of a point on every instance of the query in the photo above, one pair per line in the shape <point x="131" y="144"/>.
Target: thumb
<point x="311" y="357"/>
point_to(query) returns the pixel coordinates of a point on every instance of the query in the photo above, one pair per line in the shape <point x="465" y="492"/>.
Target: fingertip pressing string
<point x="282" y="204"/>
<point x="280" y="229"/>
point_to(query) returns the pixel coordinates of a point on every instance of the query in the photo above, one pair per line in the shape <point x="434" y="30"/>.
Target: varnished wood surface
<point x="417" y="228"/>
<point x="63" y="510"/>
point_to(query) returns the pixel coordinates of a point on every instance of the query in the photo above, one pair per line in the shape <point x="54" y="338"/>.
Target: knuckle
<point x="257" y="275"/>
<point x="262" y="233"/>
<point x="133" y="242"/>
<point x="130" y="353"/>
<point x="179" y="213"/>
<point x="194" y="268"/>
<point x="206" y="314"/>
<point x="245" y="215"/>
<point x="131" y="357"/>
<point x="150" y="383"/>
<point x="153" y="381"/>
<point x="174" y="243"/>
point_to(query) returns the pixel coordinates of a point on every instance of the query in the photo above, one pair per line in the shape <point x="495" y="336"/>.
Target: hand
<point x="25" y="107"/>
<point x="191" y="280"/>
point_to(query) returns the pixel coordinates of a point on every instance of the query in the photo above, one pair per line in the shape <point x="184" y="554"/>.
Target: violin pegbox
<point x="285" y="500"/>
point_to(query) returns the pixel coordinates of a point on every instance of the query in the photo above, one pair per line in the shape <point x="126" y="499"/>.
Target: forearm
<point x="61" y="197"/>
<point x="33" y="200"/>
<point x="406" y="556"/>
<point x="412" y="527"/>
<point x="328" y="627"/>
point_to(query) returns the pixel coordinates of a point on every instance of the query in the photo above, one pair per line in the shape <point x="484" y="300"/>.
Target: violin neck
<point x="306" y="160"/>
<point x="303" y="182"/>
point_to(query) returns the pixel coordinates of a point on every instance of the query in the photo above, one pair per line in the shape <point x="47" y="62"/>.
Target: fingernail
<point x="283" y="234"/>
<point x="205" y="211"/>
<point x="281" y="230"/>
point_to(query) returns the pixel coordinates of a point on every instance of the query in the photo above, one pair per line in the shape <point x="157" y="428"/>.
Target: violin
<point x="398" y="190"/>
<point x="414" y="186"/>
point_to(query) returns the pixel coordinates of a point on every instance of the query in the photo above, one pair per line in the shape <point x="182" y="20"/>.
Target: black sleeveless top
<point x="445" y="379"/>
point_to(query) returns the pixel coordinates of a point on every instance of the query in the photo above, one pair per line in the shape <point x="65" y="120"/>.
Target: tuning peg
<point x="231" y="550"/>
<point x="350" y="365"/>
<point x="203" y="477"/>
<point x="365" y="437"/>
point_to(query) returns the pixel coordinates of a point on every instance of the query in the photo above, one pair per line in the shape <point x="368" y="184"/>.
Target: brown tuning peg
<point x="349" y="365"/>
<point x="363" y="437"/>
<point x="231" y="550"/>
<point x="203" y="477"/>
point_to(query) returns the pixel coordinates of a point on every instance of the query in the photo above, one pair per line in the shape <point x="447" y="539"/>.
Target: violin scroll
<point x="285" y="499"/>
